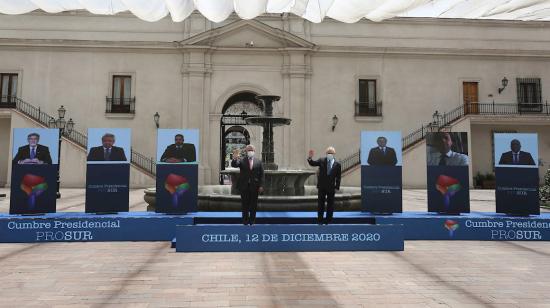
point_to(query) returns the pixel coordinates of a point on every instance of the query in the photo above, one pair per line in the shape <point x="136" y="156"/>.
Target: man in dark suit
<point x="328" y="181"/>
<point x="179" y="152"/>
<point x="107" y="151"/>
<point x="516" y="156"/>
<point x="250" y="183"/>
<point x="382" y="155"/>
<point x="33" y="153"/>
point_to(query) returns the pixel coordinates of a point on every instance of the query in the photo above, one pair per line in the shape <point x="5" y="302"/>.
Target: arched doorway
<point x="234" y="132"/>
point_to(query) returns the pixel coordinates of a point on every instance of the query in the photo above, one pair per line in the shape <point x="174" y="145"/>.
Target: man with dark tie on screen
<point x="33" y="153"/>
<point x="445" y="156"/>
<point x="250" y="183"/>
<point x="382" y="155"/>
<point x="179" y="152"/>
<point x="107" y="151"/>
<point x="516" y="156"/>
<point x="328" y="181"/>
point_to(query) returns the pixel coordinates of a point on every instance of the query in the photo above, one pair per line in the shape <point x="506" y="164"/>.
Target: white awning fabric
<point x="348" y="11"/>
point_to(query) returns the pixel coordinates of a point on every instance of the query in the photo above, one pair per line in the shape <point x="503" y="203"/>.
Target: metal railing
<point x="139" y="160"/>
<point x="146" y="163"/>
<point x="351" y="161"/>
<point x="8" y="101"/>
<point x="120" y="105"/>
<point x="450" y="117"/>
<point x="368" y="109"/>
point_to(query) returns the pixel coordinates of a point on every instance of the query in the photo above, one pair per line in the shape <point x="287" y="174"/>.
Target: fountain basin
<point x="218" y="198"/>
<point x="277" y="182"/>
<point x="273" y="121"/>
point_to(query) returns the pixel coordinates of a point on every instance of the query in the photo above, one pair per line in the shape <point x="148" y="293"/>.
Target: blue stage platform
<point x="289" y="237"/>
<point x="479" y="226"/>
<point x="79" y="227"/>
<point x="149" y="226"/>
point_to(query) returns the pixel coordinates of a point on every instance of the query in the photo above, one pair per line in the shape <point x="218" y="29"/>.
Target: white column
<point x="296" y="71"/>
<point x="196" y="70"/>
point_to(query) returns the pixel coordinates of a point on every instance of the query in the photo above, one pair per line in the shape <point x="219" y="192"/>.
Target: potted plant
<point x="478" y="180"/>
<point x="489" y="182"/>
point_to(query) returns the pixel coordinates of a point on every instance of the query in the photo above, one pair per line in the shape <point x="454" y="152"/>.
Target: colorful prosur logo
<point x="448" y="187"/>
<point x="451" y="226"/>
<point x="33" y="186"/>
<point x="177" y="185"/>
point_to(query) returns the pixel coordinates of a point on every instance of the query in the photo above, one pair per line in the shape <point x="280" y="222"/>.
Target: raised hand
<point x="310" y="154"/>
<point x="236" y="153"/>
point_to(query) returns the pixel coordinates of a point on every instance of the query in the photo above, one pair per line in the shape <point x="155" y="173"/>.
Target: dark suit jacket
<point x="42" y="154"/>
<point x="326" y="181"/>
<point x="525" y="158"/>
<point x="249" y="178"/>
<point x="187" y="152"/>
<point x="96" y="154"/>
<point x="378" y="158"/>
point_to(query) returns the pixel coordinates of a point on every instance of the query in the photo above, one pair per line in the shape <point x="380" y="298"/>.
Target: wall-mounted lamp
<point x="156" y="118"/>
<point x="334" y="122"/>
<point x="504" y="84"/>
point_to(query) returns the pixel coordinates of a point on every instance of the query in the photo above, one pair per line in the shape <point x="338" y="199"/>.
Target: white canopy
<point x="313" y="10"/>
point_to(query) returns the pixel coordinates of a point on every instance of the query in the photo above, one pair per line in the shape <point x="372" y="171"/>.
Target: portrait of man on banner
<point x="516" y="150"/>
<point x="108" y="145"/>
<point x="381" y="148"/>
<point x="38" y="146"/>
<point x="177" y="146"/>
<point x="447" y="149"/>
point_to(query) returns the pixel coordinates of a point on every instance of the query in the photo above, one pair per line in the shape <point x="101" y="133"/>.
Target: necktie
<point x="107" y="154"/>
<point x="33" y="152"/>
<point x="516" y="158"/>
<point x="443" y="160"/>
<point x="329" y="166"/>
<point x="250" y="163"/>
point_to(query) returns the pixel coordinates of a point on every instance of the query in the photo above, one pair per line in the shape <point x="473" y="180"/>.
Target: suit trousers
<point x="249" y="204"/>
<point x="328" y="196"/>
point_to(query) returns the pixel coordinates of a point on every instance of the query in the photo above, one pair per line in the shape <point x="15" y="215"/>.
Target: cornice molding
<point x="171" y="48"/>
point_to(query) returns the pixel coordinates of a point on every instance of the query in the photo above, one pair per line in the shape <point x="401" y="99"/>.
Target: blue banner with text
<point x="517" y="191"/>
<point x="381" y="189"/>
<point x="471" y="228"/>
<point x="63" y="228"/>
<point x="205" y="238"/>
<point x="107" y="188"/>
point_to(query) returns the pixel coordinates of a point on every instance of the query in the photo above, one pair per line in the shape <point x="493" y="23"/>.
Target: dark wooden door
<point x="470" y="97"/>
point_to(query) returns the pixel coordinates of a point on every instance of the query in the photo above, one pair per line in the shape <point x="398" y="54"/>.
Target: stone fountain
<point x="284" y="190"/>
<point x="277" y="182"/>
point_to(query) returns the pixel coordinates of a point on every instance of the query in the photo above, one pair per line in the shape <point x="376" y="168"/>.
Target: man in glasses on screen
<point x="33" y="153"/>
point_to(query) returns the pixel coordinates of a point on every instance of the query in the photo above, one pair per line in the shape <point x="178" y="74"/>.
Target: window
<point x="8" y="88"/>
<point x="367" y="104"/>
<point x="121" y="100"/>
<point x="529" y="94"/>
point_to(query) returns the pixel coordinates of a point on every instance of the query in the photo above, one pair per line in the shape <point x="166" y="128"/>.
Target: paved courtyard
<point x="150" y="274"/>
